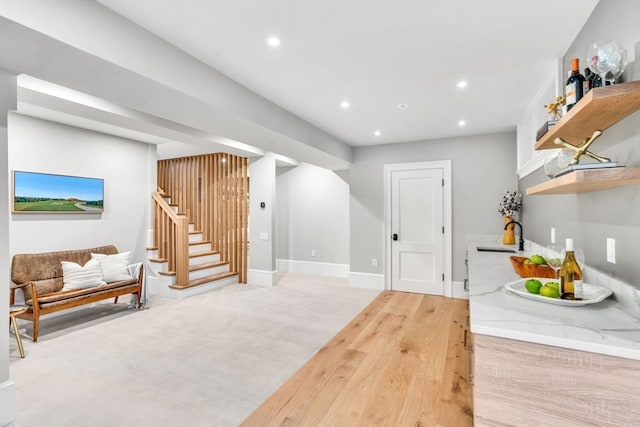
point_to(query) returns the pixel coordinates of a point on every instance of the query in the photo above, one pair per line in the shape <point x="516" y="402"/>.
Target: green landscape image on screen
<point x="40" y="192"/>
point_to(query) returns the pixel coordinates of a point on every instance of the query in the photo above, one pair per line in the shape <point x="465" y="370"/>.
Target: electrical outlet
<point x="553" y="234"/>
<point x="611" y="250"/>
<point x="313" y="252"/>
<point x="374" y="262"/>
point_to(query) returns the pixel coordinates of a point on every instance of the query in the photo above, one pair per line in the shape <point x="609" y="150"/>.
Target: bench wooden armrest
<point x="14" y="287"/>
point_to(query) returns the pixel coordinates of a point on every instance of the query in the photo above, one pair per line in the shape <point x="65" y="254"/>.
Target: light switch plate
<point x="611" y="250"/>
<point x="264" y="235"/>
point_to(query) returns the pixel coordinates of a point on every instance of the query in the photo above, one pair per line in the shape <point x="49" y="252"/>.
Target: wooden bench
<point x="40" y="278"/>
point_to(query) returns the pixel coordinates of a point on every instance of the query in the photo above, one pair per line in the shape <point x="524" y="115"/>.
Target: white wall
<point x="313" y="215"/>
<point x="8" y="102"/>
<point x="127" y="167"/>
<point x="262" y="189"/>
<point x="482" y="168"/>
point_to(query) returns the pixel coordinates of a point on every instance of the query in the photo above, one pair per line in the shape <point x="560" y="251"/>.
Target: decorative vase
<point x="508" y="237"/>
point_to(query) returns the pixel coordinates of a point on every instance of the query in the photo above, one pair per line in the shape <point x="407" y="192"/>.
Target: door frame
<point x="445" y="165"/>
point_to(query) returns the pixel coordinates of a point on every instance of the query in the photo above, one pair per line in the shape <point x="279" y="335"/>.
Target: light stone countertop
<point x="605" y="327"/>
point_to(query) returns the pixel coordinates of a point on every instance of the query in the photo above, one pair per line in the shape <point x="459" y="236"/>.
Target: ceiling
<point x="377" y="54"/>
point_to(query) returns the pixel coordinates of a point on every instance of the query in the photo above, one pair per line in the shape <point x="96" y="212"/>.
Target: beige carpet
<point x="209" y="360"/>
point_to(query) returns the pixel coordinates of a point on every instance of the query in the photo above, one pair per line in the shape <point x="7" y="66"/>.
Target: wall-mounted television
<point x="45" y="192"/>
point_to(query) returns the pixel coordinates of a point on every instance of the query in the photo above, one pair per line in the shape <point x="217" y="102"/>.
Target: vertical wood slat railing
<point x="171" y="237"/>
<point x="214" y="190"/>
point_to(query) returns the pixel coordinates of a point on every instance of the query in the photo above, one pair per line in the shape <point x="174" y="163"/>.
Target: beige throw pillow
<point x="114" y="267"/>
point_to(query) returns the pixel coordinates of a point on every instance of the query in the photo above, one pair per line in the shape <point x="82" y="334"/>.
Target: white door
<point x="417" y="227"/>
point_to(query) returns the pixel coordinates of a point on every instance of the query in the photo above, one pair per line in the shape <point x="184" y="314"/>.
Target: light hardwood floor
<point x="400" y="362"/>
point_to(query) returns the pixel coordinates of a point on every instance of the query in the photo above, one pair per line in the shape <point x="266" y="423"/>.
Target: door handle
<point x="394" y="236"/>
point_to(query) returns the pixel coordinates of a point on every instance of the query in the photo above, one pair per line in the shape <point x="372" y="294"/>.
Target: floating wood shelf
<point x="600" y="108"/>
<point x="583" y="181"/>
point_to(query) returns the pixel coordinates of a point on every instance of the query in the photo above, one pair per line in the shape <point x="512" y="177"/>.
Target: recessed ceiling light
<point x="402" y="106"/>
<point x="345" y="104"/>
<point x="461" y="84"/>
<point x="273" y="41"/>
<point x="377" y="133"/>
<point x="462" y="123"/>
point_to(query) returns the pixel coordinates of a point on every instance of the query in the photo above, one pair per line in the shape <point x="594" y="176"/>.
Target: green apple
<point x="553" y="285"/>
<point x="533" y="286"/>
<point x="549" y="291"/>
<point x="537" y="259"/>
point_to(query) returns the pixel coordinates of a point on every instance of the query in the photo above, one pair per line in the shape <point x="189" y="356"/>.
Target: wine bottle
<point x="597" y="82"/>
<point x="570" y="275"/>
<point x="588" y="81"/>
<point x="574" y="88"/>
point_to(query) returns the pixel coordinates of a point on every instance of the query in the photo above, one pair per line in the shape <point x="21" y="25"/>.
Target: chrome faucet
<point x="521" y="242"/>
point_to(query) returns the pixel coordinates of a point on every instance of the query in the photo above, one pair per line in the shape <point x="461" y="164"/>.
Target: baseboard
<point x="458" y="291"/>
<point x="366" y="280"/>
<point x="262" y="277"/>
<point x="7" y="403"/>
<point x="315" y="268"/>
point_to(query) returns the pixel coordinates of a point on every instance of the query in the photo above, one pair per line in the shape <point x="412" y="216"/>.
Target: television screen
<point x="44" y="192"/>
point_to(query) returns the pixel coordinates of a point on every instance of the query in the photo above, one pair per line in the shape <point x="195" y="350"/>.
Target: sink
<point x="494" y="249"/>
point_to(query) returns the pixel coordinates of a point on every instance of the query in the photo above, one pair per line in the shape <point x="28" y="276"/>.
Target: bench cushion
<point x="64" y="296"/>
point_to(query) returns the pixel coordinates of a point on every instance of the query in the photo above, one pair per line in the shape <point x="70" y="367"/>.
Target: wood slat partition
<point x="213" y="190"/>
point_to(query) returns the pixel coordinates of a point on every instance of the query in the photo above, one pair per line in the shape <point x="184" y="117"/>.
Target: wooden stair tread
<point x="152" y="248"/>
<point x="193" y="255"/>
<point x="196" y="267"/>
<point x="167" y="273"/>
<point x="203" y="253"/>
<point x="201" y="242"/>
<point x="205" y="280"/>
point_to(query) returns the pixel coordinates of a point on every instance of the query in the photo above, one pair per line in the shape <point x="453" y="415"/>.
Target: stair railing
<point x="171" y="237"/>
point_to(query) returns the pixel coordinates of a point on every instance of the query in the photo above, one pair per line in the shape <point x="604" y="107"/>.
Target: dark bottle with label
<point x="574" y="88"/>
<point x="588" y="80"/>
<point x="597" y="82"/>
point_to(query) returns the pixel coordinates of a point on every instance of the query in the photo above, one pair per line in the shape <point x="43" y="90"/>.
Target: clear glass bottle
<point x="570" y="275"/>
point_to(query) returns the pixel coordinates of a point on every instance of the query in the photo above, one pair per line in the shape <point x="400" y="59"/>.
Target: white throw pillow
<point x="114" y="267"/>
<point x="76" y="276"/>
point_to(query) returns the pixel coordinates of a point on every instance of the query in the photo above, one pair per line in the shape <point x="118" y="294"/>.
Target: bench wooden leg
<point x="36" y="325"/>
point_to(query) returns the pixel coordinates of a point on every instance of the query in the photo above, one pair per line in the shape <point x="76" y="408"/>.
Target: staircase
<point x="206" y="271"/>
